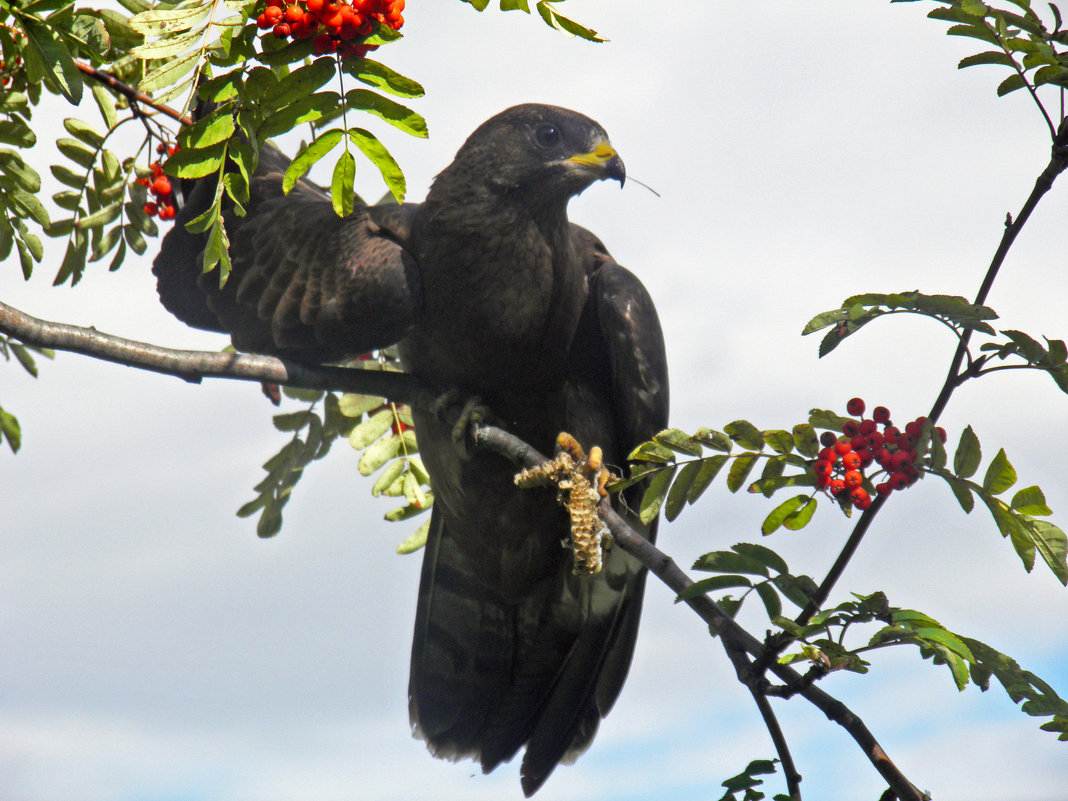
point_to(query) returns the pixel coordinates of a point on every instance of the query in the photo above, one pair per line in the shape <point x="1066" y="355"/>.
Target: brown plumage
<point x="490" y="291"/>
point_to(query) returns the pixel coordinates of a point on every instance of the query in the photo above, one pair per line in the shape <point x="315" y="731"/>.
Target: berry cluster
<point x="160" y="186"/>
<point x="840" y="465"/>
<point x="337" y="27"/>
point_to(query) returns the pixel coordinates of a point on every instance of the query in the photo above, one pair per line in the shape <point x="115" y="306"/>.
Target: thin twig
<point x="1058" y="163"/>
<point x="130" y="93"/>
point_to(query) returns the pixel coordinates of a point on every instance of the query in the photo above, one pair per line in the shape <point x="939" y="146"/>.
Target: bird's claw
<point x="473" y="413"/>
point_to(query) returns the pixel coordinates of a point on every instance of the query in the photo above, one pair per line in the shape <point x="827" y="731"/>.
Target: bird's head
<point x="545" y="154"/>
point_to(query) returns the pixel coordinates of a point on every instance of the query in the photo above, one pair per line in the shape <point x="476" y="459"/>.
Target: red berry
<point x="883" y="456"/>
<point x="828" y="438"/>
<point x="898" y="481"/>
<point x="941" y="433"/>
<point x="867" y="427"/>
<point x="161" y="187"/>
<point x="880" y="414"/>
<point x="851" y="461"/>
<point x="914" y="429"/>
<point x="900" y="459"/>
<point x="858" y="442"/>
<point x="281" y="30"/>
<point x="294" y="14"/>
<point x="855" y="407"/>
<point x="891" y="435"/>
<point x="853" y="478"/>
<point x="860" y="498"/>
<point x="828" y="454"/>
<point x="274" y="14"/>
<point x="875" y="439"/>
<point x="866" y="457"/>
<point x="151" y="209"/>
<point x="823" y="467"/>
<point x="836" y="485"/>
<point x="167" y="212"/>
<point x="850" y="428"/>
<point x="314" y="6"/>
<point x="842" y="447"/>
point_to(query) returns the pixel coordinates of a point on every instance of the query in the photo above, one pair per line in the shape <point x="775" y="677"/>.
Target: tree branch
<point x="194" y="366"/>
<point x="130" y="93"/>
<point x="197" y="365"/>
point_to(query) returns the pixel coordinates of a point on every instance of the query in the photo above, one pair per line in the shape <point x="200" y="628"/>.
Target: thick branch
<point x="193" y="365"/>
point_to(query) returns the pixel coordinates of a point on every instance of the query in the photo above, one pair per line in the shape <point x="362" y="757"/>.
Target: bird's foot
<point x="472" y="414"/>
<point x="580" y="479"/>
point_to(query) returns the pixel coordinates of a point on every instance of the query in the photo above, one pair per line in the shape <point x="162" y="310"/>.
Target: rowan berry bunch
<point x="160" y="186"/>
<point x="337" y="27"/>
<point x="840" y="466"/>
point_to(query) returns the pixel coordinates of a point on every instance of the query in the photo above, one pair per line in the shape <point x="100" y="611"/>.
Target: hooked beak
<point x="604" y="160"/>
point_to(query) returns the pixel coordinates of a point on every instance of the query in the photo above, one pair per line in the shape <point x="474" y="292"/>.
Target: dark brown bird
<point x="492" y="292"/>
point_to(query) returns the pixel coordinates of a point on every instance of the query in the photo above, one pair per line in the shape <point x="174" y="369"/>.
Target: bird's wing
<point x="621" y="352"/>
<point x="304" y="282"/>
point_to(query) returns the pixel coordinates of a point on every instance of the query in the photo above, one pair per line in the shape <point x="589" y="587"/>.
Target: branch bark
<point x="740" y="645"/>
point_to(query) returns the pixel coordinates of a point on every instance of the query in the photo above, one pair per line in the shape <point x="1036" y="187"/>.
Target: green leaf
<point x="799" y="519"/>
<point x="370" y="429"/>
<point x="710" y="467"/>
<point x="779" y="514"/>
<point x="654" y="495"/>
<point x="731" y="562"/>
<point x="162" y="21"/>
<point x="745" y="434"/>
<point x="712" y="584"/>
<point x="805" y="440"/>
<point x="374" y="150"/>
<point x="306" y="109"/>
<point x="1011" y="84"/>
<point x="216" y="127"/>
<point x="342" y="192"/>
<point x="76" y="152"/>
<point x="739" y="471"/>
<point x="9" y="427"/>
<point x="416" y="541"/>
<point x="770" y="598"/>
<point x="196" y="163"/>
<point x="394" y="113"/>
<point x="314" y="151"/>
<point x="1000" y="475"/>
<point x="968" y="455"/>
<point x="299" y="83"/>
<point x="382" y="77"/>
<point x="169" y="46"/>
<point x="962" y="492"/>
<point x="169" y="73"/>
<point x="676" y="497"/>
<point x="1030" y="501"/>
<point x="762" y="554"/>
<point x="678" y="441"/>
<point x="378" y="454"/>
<point x="15" y="132"/>
<point x="989" y="57"/>
<point x="52" y="60"/>
<point x="352" y="405"/>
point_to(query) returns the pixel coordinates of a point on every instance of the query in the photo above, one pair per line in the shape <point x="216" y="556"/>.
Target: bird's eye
<point x="547" y="135"/>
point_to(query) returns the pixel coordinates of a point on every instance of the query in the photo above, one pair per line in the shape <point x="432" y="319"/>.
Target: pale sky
<point x="154" y="649"/>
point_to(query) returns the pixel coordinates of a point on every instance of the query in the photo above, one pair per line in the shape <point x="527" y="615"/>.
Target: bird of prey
<point x="490" y="292"/>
